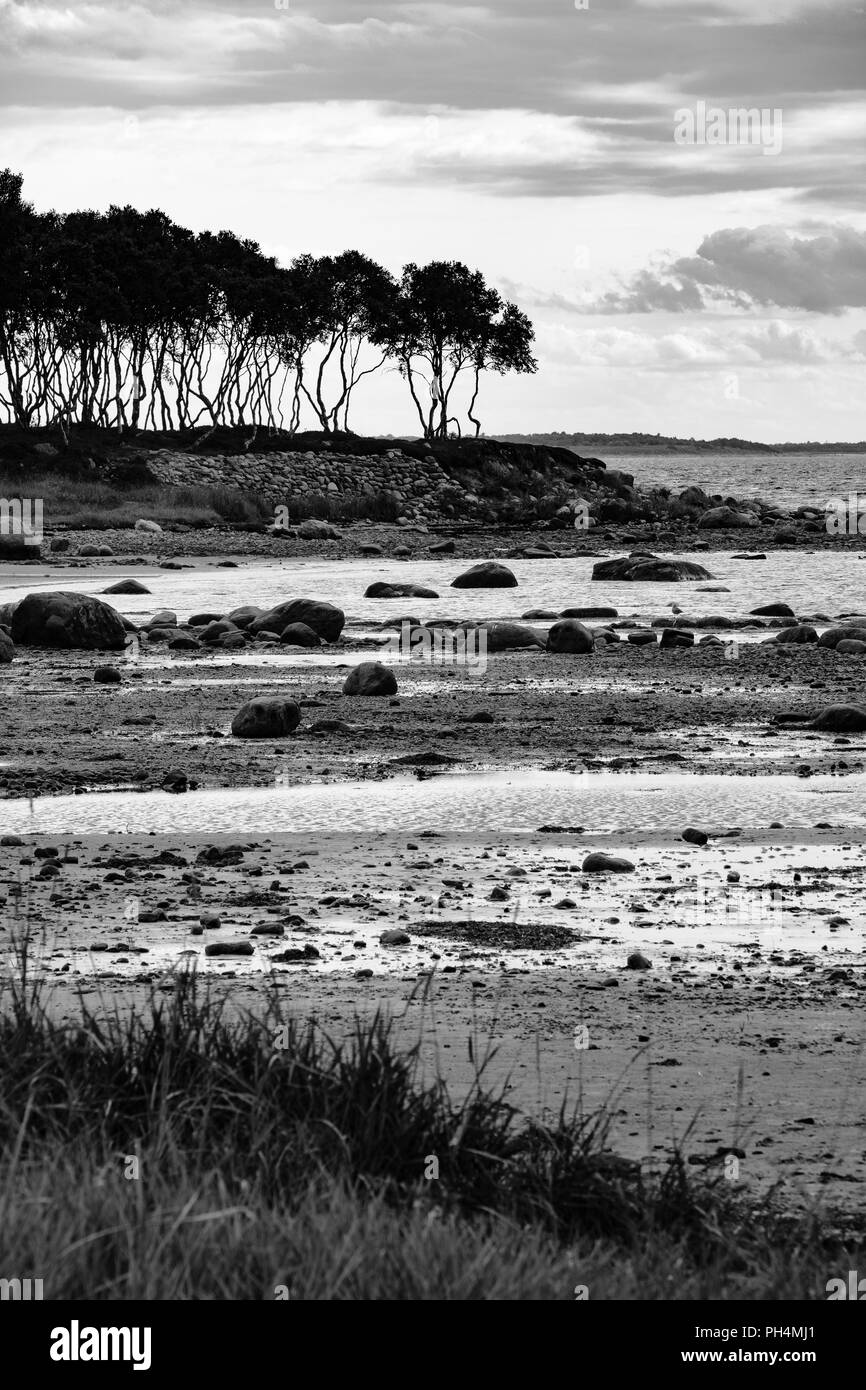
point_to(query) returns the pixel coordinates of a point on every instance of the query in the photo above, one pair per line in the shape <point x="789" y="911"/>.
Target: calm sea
<point x="786" y="480"/>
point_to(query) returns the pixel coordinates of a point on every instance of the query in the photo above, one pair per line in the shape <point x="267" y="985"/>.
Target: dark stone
<point x="635" y="569"/>
<point x="107" y="675"/>
<point x="300" y="635"/>
<point x="382" y="590"/>
<point x="127" y="586"/>
<point x="570" y="636"/>
<point x="370" y="678"/>
<point x="486" y="575"/>
<point x="268" y="716"/>
<point x="323" y="618"/>
<point x="61" y="619"/>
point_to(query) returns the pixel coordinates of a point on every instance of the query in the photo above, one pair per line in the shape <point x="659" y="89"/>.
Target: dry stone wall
<point x="421" y="485"/>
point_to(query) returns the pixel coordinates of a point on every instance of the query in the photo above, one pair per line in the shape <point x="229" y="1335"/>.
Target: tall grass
<point x="267" y="1154"/>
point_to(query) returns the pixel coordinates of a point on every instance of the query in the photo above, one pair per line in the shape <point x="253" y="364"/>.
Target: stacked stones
<point x="422" y="489"/>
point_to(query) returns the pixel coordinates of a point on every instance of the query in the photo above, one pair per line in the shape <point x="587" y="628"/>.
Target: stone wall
<point x="422" y="487"/>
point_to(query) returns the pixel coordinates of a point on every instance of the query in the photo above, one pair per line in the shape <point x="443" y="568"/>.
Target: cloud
<point x="700" y="348"/>
<point x="750" y="267"/>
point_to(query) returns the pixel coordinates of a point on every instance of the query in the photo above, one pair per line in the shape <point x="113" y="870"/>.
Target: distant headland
<point x="646" y="443"/>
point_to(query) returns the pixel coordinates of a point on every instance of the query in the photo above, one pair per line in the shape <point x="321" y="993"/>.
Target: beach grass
<point x="169" y="1151"/>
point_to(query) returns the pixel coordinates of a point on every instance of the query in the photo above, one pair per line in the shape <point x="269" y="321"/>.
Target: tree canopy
<point x="125" y="319"/>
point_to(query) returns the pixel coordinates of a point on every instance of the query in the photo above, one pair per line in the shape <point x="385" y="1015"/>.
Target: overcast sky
<point x="687" y="288"/>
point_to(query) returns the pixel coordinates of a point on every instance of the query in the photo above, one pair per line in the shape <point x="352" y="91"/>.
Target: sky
<point x="689" y="270"/>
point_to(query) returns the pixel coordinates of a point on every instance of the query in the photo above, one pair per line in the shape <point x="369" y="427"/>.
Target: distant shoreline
<point x="662" y="444"/>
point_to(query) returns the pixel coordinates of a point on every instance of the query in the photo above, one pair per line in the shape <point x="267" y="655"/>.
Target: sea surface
<point x="784" y="480"/>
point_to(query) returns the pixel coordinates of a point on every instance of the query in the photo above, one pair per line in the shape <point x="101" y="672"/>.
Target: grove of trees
<point x="125" y="320"/>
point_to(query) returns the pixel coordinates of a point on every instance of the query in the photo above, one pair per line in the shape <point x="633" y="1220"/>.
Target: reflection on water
<point x="506" y="802"/>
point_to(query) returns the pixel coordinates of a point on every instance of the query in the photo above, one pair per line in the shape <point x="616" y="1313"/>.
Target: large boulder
<point x="634" y="569"/>
<point x="834" y="635"/>
<point x="7" y="648"/>
<point x="800" y="633"/>
<point x="60" y="619"/>
<point x="269" y="716"/>
<point x="601" y="863"/>
<point x="325" y="620"/>
<point x="486" y="575"/>
<point x="370" y="678"/>
<point x="568" y="635"/>
<point x="841" y="719"/>
<point x="382" y="590"/>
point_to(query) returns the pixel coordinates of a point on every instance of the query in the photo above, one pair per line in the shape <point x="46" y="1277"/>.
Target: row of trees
<point x="124" y="319"/>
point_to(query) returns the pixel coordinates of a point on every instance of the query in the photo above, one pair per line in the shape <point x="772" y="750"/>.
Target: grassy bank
<point x="174" y="1153"/>
<point x="89" y="504"/>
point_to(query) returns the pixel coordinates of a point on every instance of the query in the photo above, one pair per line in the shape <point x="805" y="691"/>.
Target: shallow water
<point x="810" y="582"/>
<point x="492" y="802"/>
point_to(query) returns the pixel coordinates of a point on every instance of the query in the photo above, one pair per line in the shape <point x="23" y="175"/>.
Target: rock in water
<point x="269" y="716"/>
<point x="649" y="569"/>
<point x="772" y="610"/>
<point x="568" y="635"/>
<point x="601" y="863"/>
<point x="127" y="586"/>
<point x="59" y="619"/>
<point x="486" y="575"/>
<point x="382" y="590"/>
<point x="325" y="620"/>
<point x="370" y="678"/>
